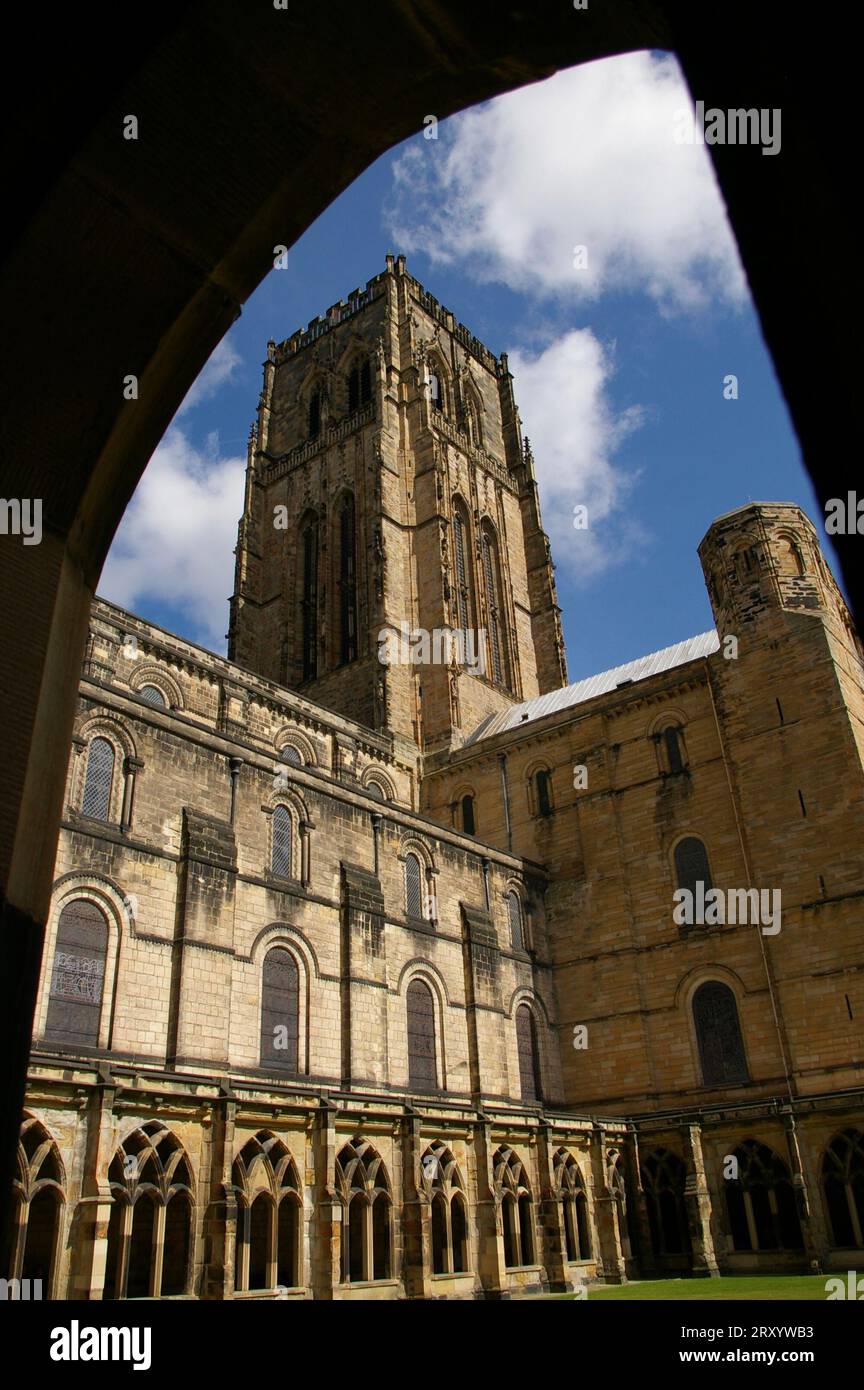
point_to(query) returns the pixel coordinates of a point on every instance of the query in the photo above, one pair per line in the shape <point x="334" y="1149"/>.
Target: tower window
<point x="96" y="801"/>
<point x="497" y="641"/>
<point x="347" y="582"/>
<point x="435" y="390"/>
<point x="460" y="549"/>
<point x="359" y="385"/>
<point x="314" y="414"/>
<point x="309" y="601"/>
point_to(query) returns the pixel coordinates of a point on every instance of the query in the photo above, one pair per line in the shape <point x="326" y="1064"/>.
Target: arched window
<point x="672" y="748"/>
<point x="96" y="801"/>
<point x="763" y="1214"/>
<point x="570" y="1187"/>
<point x="663" y="1179"/>
<point x="347" y="585"/>
<point x="462" y="561"/>
<point x="444" y="1190"/>
<point x="514" y="917"/>
<point x="422" y="1068"/>
<point x="364" y="1188"/>
<point x="513" y="1195"/>
<point x="78" y="975"/>
<point x="495" y="608"/>
<point x="151" y="1183"/>
<point x="359" y="385"/>
<point x="309" y="597"/>
<point x="314" y="414"/>
<point x="152" y="695"/>
<point x="413" y="886"/>
<point x="39" y="1202"/>
<point x="691" y="864"/>
<point x="267" y="1252"/>
<point x="843" y="1185"/>
<point x="281" y="838"/>
<point x="469" y="823"/>
<point x="543" y="783"/>
<point x="280" y="1010"/>
<point x="718" y="1031"/>
<point x="529" y="1061"/>
<point x="437" y="394"/>
<point x="291" y="754"/>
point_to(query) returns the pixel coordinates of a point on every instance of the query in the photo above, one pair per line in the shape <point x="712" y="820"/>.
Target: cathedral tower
<point x="391" y="560"/>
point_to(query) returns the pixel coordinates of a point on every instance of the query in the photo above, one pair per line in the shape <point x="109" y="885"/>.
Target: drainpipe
<point x="505" y="795"/>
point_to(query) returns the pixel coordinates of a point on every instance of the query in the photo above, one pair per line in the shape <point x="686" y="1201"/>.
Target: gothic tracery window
<point x="269" y="1216"/>
<point x="366" y="1225"/>
<point x="78" y="975"/>
<point x="495" y="608"/>
<point x="461" y="556"/>
<point x="663" y="1181"/>
<point x="843" y="1186"/>
<point x="763" y="1213"/>
<point x="442" y="1185"/>
<point x="280" y="1011"/>
<point x="151" y="1184"/>
<point x="422" y="1064"/>
<point x="347" y="584"/>
<point x="39" y="1204"/>
<point x="314" y="414"/>
<point x="359" y="385"/>
<point x="570" y="1188"/>
<point x="513" y="1197"/>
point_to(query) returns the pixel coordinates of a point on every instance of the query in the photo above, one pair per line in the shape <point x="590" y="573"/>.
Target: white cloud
<point x="588" y="157"/>
<point x="219" y="369"/>
<point x="175" y="543"/>
<point x="574" y="433"/>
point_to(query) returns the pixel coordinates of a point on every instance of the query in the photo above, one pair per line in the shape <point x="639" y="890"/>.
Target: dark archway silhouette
<point x="159" y="252"/>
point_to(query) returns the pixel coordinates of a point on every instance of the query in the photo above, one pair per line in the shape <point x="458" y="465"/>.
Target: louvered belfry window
<point x="96" y="801"/>
<point x="78" y="975"/>
<point x="280" y="1010"/>
<point x="280" y="857"/>
<point x="314" y="414"/>
<point x="514" y="913"/>
<point x="721" y="1047"/>
<point x="422" y="1071"/>
<point x="526" y="1045"/>
<point x="413" y="886"/>
<point x="493" y="598"/>
<point x="691" y="864"/>
<point x="309" y="603"/>
<point x="347" y="582"/>
<point x="459" y="546"/>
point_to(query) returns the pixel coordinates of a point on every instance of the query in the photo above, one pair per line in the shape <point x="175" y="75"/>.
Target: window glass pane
<point x="96" y="801"/>
<point x="281" y="852"/>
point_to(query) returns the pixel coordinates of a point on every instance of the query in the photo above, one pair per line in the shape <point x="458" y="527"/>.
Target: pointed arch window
<point x="151" y="1184"/>
<point x="718" y="1032"/>
<point x="314" y="414"/>
<point x="691" y="864"/>
<point x="513" y="1194"/>
<point x="422" y="1068"/>
<point x="366" y="1227"/>
<point x="843" y="1185"/>
<point x="442" y="1185"/>
<point x="309" y="598"/>
<point x="78" y="975"/>
<point x="39" y="1203"/>
<point x="359" y="385"/>
<point x="464" y="597"/>
<point x="664" y="1178"/>
<point x="347" y="581"/>
<point x="529" y="1061"/>
<point x="413" y="886"/>
<point x="280" y="1011"/>
<point x="570" y="1187"/>
<point x="763" y="1213"/>
<point x="514" y="918"/>
<point x="268" y="1248"/>
<point x="96" y="801"/>
<point x="495" y="608"/>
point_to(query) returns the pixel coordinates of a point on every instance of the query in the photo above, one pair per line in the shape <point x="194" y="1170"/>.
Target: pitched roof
<point x="640" y="669"/>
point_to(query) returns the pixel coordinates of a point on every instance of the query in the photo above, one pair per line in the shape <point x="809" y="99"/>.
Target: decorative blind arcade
<point x="422" y="1074"/>
<point x="78" y="976"/>
<point x="96" y="801"/>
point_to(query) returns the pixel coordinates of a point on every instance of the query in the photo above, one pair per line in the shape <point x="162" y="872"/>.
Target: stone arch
<point x="571" y="1192"/>
<point x="150" y="673"/>
<point x="269" y="1197"/>
<point x="149" y="1170"/>
<point x="441" y="1185"/>
<point x="289" y="734"/>
<point x="366" y="1228"/>
<point x="39" y="1194"/>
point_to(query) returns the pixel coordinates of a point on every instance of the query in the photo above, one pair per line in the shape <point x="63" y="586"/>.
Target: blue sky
<point x="619" y="364"/>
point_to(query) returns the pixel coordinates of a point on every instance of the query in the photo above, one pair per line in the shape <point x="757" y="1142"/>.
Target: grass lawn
<point x="770" y="1287"/>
